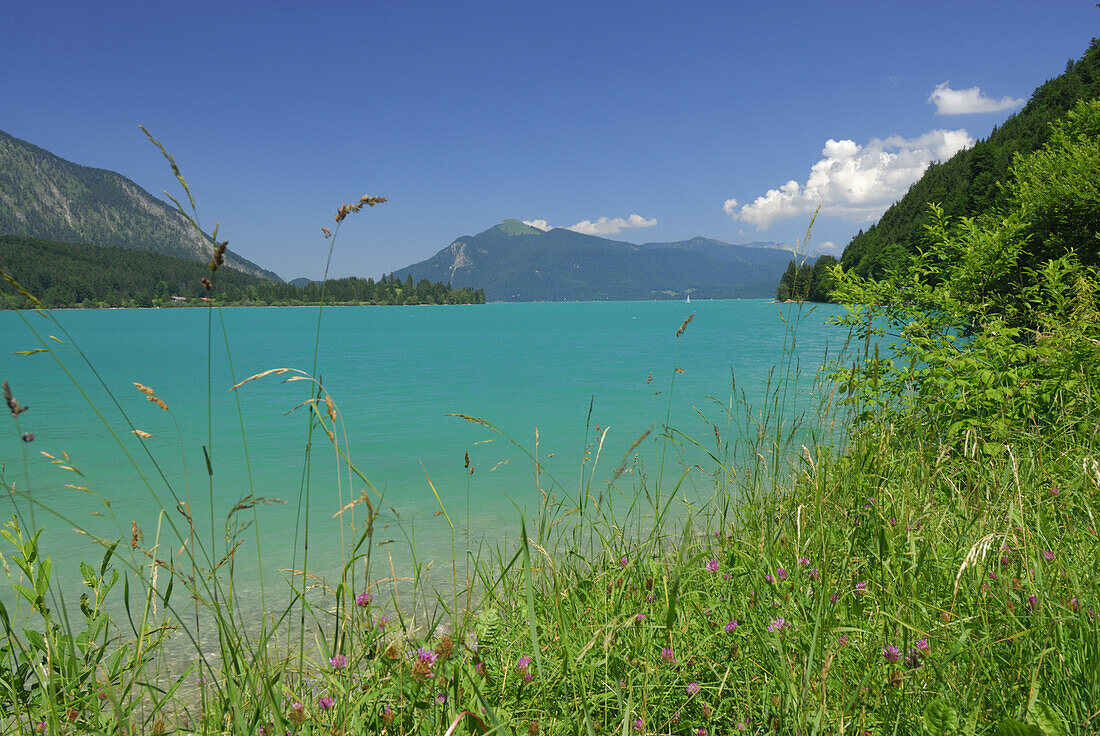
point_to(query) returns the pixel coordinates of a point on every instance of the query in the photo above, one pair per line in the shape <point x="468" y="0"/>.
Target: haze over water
<point x="394" y="374"/>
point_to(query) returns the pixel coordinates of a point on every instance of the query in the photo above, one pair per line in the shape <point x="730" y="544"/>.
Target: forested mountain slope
<point x="45" y="196"/>
<point x="970" y="182"/>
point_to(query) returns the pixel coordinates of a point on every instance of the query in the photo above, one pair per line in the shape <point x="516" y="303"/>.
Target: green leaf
<point x="959" y="644"/>
<point x="107" y="558"/>
<point x="488" y="626"/>
<point x="940" y="718"/>
<point x="531" y="616"/>
<point x="1012" y="727"/>
<point x="43" y="580"/>
<point x="35" y="639"/>
<point x="25" y="592"/>
<point x="970" y="727"/>
<point x="13" y="538"/>
<point x="1048" y="719"/>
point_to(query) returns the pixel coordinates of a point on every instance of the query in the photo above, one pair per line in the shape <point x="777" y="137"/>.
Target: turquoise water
<point x="394" y="373"/>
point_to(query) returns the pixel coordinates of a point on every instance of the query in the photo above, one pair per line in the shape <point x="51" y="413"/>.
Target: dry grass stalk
<point x="975" y="556"/>
<point x="680" y="332"/>
<point x="347" y="209"/>
<point x="13" y="403"/>
<point x="65" y="464"/>
<point x="150" y="395"/>
<point x="268" y="372"/>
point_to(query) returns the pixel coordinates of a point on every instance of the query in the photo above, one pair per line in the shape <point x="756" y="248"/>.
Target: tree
<point x="1057" y="189"/>
<point x="822" y="281"/>
<point x="785" y="290"/>
<point x="994" y="326"/>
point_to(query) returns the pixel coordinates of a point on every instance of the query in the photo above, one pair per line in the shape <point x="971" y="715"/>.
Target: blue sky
<point x="464" y="114"/>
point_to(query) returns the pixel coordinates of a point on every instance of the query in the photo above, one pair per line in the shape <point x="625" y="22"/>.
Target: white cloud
<point x="602" y="226"/>
<point x="966" y="101"/>
<point x="605" y="226"/>
<point x="853" y="182"/>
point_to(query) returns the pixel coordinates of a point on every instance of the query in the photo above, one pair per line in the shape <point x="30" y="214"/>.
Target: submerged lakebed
<point x="395" y="375"/>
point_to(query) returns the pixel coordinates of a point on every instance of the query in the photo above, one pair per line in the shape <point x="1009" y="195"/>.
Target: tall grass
<point x="838" y="579"/>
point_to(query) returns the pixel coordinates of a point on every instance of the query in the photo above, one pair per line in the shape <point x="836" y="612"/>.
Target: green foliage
<point x="994" y="325"/>
<point x="1047" y="718"/>
<point x="60" y="671"/>
<point x="1012" y="727"/>
<point x="940" y="719"/>
<point x="1058" y="192"/>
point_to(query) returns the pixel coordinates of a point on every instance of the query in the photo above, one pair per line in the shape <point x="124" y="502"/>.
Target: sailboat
<point x="688" y="300"/>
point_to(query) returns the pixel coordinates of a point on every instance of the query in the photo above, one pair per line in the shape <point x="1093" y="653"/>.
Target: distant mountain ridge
<point x="45" y="196"/>
<point x="513" y="261"/>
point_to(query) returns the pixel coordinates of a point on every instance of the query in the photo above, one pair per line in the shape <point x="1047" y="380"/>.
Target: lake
<point x="395" y="374"/>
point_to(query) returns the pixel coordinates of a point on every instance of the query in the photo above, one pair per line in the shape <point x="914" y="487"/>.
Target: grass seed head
<point x="680" y="332"/>
<point x="13" y="403"/>
<point x="346" y="209"/>
<point x="219" y="255"/>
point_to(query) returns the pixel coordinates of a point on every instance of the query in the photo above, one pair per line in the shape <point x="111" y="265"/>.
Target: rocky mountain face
<point x="45" y="196"/>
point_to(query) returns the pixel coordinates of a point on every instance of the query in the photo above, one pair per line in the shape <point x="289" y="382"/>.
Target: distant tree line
<point x="807" y="282"/>
<point x="387" y="290"/>
<point x="81" y="275"/>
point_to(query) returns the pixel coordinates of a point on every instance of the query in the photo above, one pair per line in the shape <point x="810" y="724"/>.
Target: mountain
<point x="728" y="252"/>
<point x="970" y="181"/>
<point x="45" y="196"/>
<point x="515" y="262"/>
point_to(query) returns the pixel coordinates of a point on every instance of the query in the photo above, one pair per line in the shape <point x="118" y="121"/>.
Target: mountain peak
<point x="512" y="226"/>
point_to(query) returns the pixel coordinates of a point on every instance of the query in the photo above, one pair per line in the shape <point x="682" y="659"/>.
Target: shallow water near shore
<point x="395" y="374"/>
